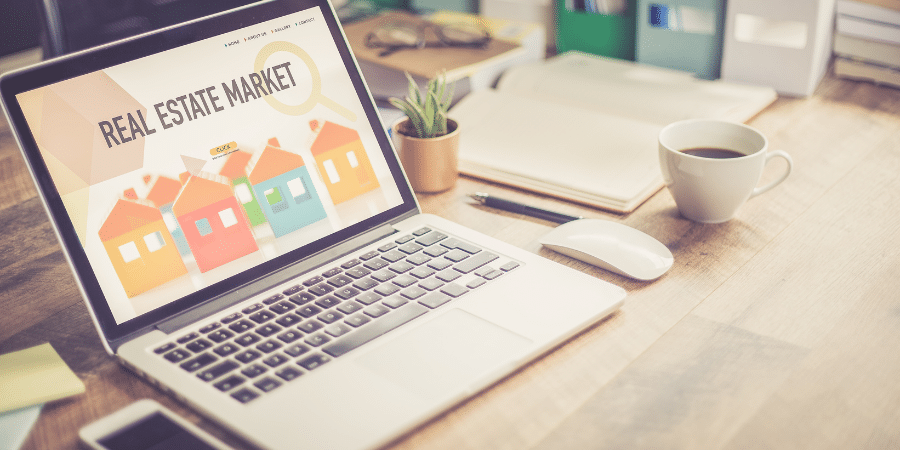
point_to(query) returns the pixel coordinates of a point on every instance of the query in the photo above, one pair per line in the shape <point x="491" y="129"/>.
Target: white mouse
<point x="611" y="246"/>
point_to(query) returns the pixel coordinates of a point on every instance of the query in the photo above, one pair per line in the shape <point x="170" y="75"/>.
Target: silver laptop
<point x="245" y="239"/>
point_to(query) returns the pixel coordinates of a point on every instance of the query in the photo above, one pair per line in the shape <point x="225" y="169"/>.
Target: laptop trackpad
<point x="445" y="354"/>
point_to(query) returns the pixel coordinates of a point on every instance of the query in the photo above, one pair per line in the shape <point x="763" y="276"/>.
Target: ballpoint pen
<point x="519" y="208"/>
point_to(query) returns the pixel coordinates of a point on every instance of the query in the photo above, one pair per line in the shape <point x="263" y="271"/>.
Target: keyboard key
<point x="368" y="298"/>
<point x="309" y="311"/>
<point x="316" y="339"/>
<point x="401" y="267"/>
<point x="431" y="239"/>
<point x="439" y="264"/>
<point x="365" y="284"/>
<point x="332" y="272"/>
<point x="422" y="272"/>
<point x="431" y="284"/>
<point x="346" y="293"/>
<point x="410" y="248"/>
<point x="422" y="231"/>
<point x="268" y="346"/>
<point x="247" y="356"/>
<point x="375" y="264"/>
<point x="418" y="259"/>
<point x="349" y="307"/>
<point x="493" y="274"/>
<point x="383" y="275"/>
<point x="203" y="360"/>
<point x="231" y="317"/>
<point x="357" y="320"/>
<point x="210" y="327"/>
<point x="369" y="255"/>
<point x="387" y="247"/>
<point x="483" y="270"/>
<point x="456" y="255"/>
<point x="292" y="290"/>
<point x="288" y="320"/>
<point x="329" y="316"/>
<point x="275" y="360"/>
<point x="282" y="308"/>
<point x="177" y="355"/>
<point x="241" y="326"/>
<point x="244" y="395"/>
<point x="310" y="326"/>
<point x="220" y="336"/>
<point x="475" y="262"/>
<point x="395" y="302"/>
<point x="374" y="330"/>
<point x="296" y="350"/>
<point x="187" y="338"/>
<point x="435" y="299"/>
<point x="393" y="256"/>
<point x="229" y="383"/>
<point x="226" y="349"/>
<point x="254" y="370"/>
<point x="302" y="298"/>
<point x="454" y="290"/>
<point x="288" y="373"/>
<point x="289" y="336"/>
<point x="217" y="370"/>
<point x="251" y="308"/>
<point x="448" y="275"/>
<point x="351" y="263"/>
<point x="377" y="310"/>
<point x="164" y="348"/>
<point x="273" y="299"/>
<point x="313" y="281"/>
<point x="337" y="329"/>
<point x="340" y="280"/>
<point x="248" y="339"/>
<point x="358" y="272"/>
<point x="199" y="345"/>
<point x="321" y="289"/>
<point x="413" y="293"/>
<point x="404" y="239"/>
<point x="435" y="251"/>
<point x="313" y="362"/>
<point x="476" y="282"/>
<point x="262" y="316"/>
<point x="405" y="281"/>
<point x="509" y="266"/>
<point x="267" y="330"/>
<point x="386" y="289"/>
<point x="328" y="302"/>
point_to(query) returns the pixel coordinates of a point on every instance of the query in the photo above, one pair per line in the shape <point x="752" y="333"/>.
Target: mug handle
<point x="787" y="172"/>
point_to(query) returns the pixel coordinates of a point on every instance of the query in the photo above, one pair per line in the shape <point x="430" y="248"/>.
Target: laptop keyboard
<point x="258" y="348"/>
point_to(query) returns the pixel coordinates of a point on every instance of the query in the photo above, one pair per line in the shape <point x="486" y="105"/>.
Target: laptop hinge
<point x="255" y="287"/>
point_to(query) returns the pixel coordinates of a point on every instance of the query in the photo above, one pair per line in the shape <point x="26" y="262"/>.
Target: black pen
<point x="506" y="205"/>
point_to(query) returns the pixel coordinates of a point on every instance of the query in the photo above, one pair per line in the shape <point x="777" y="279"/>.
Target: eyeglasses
<point x="398" y="35"/>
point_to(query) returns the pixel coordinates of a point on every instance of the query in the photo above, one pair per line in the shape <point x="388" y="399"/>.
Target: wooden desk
<point x="778" y="329"/>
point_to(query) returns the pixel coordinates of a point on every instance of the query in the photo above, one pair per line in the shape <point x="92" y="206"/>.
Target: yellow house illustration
<point x="140" y="247"/>
<point x="343" y="162"/>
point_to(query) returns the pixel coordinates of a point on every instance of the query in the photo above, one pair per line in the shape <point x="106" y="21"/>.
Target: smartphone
<point x="146" y="425"/>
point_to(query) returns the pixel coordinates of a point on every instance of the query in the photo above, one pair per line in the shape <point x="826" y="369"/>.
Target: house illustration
<point x="235" y="169"/>
<point x="140" y="247"/>
<point x="213" y="226"/>
<point x="342" y="160"/>
<point x="287" y="196"/>
<point x="163" y="194"/>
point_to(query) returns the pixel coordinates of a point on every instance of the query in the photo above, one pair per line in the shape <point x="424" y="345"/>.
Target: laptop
<point x="244" y="237"/>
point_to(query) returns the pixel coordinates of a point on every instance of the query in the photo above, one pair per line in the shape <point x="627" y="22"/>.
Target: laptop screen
<point x="193" y="160"/>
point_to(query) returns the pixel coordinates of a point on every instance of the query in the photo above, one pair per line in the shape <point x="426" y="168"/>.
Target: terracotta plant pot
<point x="430" y="164"/>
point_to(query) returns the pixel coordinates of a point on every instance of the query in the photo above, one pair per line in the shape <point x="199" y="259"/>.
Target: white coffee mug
<point x="711" y="188"/>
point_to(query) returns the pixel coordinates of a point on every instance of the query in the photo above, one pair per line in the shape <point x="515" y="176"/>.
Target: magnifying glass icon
<point x="315" y="96"/>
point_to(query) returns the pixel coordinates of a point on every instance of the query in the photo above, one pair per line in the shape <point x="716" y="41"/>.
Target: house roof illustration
<point x="236" y="165"/>
<point x="332" y="136"/>
<point x="273" y="162"/>
<point x="127" y="216"/>
<point x="201" y="190"/>
<point x="164" y="191"/>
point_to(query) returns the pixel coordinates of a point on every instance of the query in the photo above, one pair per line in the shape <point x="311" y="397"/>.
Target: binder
<point x="611" y="35"/>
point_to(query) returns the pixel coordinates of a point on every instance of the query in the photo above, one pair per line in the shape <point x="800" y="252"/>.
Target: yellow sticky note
<point x="35" y="375"/>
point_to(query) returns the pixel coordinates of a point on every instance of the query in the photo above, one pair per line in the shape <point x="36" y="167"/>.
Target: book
<point x="471" y="68"/>
<point x="860" y="70"/>
<point x="892" y="4"/>
<point x="873" y="12"/>
<point x="878" y="52"/>
<point x="868" y="28"/>
<point x="584" y="127"/>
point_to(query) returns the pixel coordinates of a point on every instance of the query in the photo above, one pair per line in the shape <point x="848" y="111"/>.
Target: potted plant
<point x="427" y="140"/>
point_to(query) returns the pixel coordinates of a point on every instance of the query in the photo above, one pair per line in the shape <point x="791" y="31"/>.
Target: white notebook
<point x="584" y="128"/>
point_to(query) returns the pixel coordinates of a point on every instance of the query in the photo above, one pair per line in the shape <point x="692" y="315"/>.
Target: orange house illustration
<point x="343" y="162"/>
<point x="215" y="229"/>
<point x="140" y="247"/>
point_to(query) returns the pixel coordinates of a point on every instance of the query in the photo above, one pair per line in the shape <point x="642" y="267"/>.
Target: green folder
<point x="610" y="35"/>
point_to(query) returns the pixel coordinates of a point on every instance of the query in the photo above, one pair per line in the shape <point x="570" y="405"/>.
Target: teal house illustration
<point x="285" y="191"/>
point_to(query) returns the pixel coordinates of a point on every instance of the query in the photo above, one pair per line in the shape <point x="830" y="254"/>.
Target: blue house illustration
<point x="285" y="191"/>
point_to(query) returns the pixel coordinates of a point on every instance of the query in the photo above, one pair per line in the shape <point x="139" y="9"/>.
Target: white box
<point x="778" y="43"/>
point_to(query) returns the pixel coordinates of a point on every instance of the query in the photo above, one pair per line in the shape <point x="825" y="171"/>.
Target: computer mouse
<point x="611" y="246"/>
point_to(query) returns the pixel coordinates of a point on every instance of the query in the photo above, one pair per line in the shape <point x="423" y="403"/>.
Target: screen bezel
<point x="99" y="58"/>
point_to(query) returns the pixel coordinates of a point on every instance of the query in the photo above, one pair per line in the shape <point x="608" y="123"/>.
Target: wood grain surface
<point x="777" y="329"/>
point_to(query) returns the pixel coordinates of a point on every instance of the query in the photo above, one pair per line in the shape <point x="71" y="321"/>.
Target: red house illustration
<point x="140" y="247"/>
<point x="213" y="225"/>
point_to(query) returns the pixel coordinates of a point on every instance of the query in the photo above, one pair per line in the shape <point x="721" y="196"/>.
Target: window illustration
<point x="235" y="171"/>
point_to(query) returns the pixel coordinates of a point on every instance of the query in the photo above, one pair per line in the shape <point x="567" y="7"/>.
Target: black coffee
<point x="713" y="152"/>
